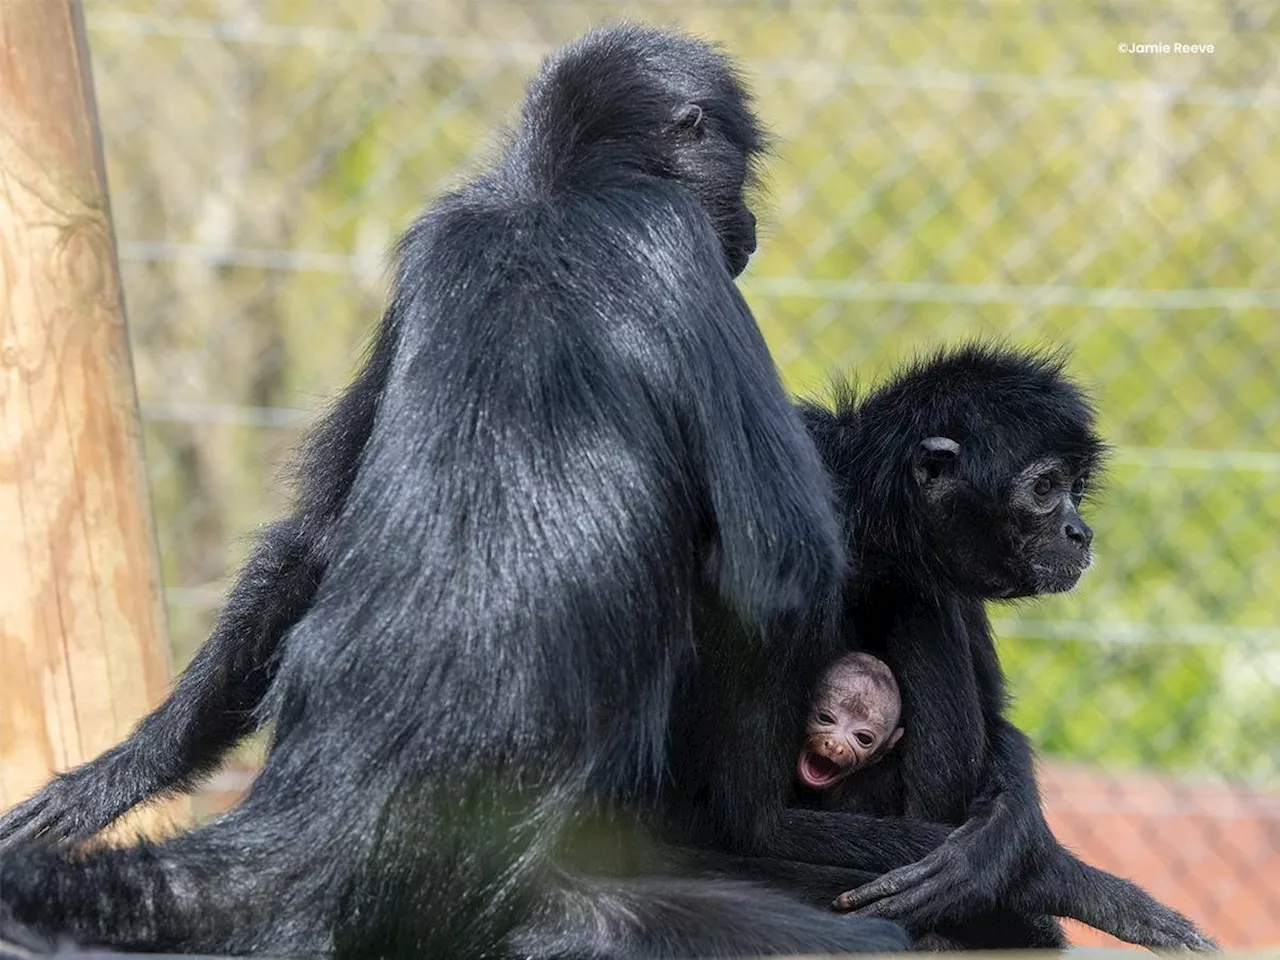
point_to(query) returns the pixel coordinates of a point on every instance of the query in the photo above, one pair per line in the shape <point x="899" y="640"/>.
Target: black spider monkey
<point x="741" y="800"/>
<point x="961" y="481"/>
<point x="568" y="441"/>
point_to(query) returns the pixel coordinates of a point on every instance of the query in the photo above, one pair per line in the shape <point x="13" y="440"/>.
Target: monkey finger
<point x="26" y="823"/>
<point x="1180" y="934"/>
<point x="50" y="818"/>
<point x="921" y="907"/>
<point x="893" y="882"/>
<point x="1163" y="928"/>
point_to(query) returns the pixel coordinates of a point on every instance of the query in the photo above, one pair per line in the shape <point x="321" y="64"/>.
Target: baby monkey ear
<point x="935" y="458"/>
<point x="885" y="747"/>
<point x="688" y="118"/>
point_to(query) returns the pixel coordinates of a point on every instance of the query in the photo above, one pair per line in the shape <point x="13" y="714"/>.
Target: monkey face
<point x="1021" y="536"/>
<point x="851" y="725"/>
<point x="1051" y="545"/>
<point x="713" y="154"/>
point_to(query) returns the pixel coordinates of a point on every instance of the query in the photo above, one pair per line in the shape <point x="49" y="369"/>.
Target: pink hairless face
<point x="853" y="721"/>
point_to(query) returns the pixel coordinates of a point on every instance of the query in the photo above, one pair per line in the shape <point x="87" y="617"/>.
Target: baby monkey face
<point x="853" y="721"/>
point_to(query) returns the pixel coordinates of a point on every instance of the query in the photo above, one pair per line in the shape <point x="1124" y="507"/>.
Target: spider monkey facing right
<point x="959" y="481"/>
<point x="962" y="481"/>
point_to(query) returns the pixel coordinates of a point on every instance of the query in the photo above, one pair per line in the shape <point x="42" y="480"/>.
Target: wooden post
<point x="83" y="651"/>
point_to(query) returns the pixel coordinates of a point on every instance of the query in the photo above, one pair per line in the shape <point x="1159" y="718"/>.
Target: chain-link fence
<point x="944" y="169"/>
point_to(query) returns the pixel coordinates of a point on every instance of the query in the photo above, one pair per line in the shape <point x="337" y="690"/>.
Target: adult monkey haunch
<point x="962" y="480"/>
<point x="569" y="436"/>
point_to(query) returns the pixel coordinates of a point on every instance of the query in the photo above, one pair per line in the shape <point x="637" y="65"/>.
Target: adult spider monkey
<point x="569" y="437"/>
<point x="961" y="482"/>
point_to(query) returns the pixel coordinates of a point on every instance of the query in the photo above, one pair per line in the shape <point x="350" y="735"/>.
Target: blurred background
<point x="944" y="170"/>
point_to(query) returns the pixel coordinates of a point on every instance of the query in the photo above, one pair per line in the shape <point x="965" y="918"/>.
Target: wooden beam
<point x="83" y="650"/>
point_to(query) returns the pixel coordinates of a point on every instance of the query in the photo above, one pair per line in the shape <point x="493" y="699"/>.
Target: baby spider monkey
<point x="852" y="723"/>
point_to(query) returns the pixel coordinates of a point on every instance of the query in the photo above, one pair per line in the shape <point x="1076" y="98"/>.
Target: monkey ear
<point x="893" y="739"/>
<point x="935" y="458"/>
<point x="688" y="116"/>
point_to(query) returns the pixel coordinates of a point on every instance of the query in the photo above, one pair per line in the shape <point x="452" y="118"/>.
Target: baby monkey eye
<point x="1043" y="486"/>
<point x="826" y="718"/>
<point x="864" y="738"/>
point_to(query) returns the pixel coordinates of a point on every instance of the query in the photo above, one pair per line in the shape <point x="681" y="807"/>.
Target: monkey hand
<point x="1131" y="914"/>
<point x="61" y="813"/>
<point x="1068" y="887"/>
<point x="962" y="877"/>
<point x="922" y="895"/>
<point x="1167" y="929"/>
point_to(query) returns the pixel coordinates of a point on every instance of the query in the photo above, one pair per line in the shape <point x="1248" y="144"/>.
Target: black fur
<point x="942" y="515"/>
<point x="569" y="440"/>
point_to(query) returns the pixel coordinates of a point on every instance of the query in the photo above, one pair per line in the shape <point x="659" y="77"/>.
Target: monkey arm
<point x="210" y="708"/>
<point x="852" y="841"/>
<point x="1006" y="856"/>
<point x="971" y="871"/>
<point x="1062" y="885"/>
<point x="814" y="853"/>
<point x="1004" y="831"/>
<point x="777" y="551"/>
<point x="1053" y="881"/>
<point x="1047" y="879"/>
<point x="999" y="929"/>
<point x="212" y="705"/>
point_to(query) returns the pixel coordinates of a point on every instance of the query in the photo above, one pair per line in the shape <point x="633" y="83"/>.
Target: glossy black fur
<point x="729" y="796"/>
<point x="568" y="447"/>
<point x="931" y="544"/>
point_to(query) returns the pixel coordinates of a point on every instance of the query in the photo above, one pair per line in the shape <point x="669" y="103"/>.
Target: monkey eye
<point x="864" y="738"/>
<point x="826" y="718"/>
<point x="1043" y="486"/>
<point x="1077" y="488"/>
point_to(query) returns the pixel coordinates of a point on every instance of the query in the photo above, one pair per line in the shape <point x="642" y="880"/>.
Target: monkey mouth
<point x="1058" y="578"/>
<point x="816" y="771"/>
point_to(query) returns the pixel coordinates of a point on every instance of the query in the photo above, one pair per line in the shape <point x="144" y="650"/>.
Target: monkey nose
<point x="1078" y="532"/>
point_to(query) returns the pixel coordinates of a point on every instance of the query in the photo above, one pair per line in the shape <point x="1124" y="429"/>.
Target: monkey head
<point x="1001" y="457"/>
<point x="1019" y="536"/>
<point x="853" y="721"/>
<point x="714" y="146"/>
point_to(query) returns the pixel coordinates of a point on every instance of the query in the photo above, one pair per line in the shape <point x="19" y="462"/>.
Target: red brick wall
<point x="1212" y="850"/>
